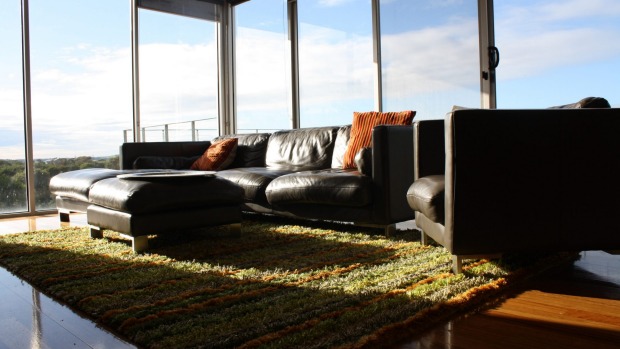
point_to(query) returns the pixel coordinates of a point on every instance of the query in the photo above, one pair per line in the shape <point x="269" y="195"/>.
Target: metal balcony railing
<point x="163" y="132"/>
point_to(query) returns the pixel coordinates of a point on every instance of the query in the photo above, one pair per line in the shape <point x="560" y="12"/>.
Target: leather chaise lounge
<point x="294" y="173"/>
<point x="489" y="182"/>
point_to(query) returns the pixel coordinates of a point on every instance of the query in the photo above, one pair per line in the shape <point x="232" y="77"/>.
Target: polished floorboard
<point x="573" y="306"/>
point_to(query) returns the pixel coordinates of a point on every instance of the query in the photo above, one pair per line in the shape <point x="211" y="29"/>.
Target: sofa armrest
<point x="129" y="152"/>
<point x="429" y="148"/>
<point x="392" y="172"/>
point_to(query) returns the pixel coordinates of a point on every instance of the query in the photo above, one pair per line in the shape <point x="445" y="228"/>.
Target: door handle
<point x="493" y="57"/>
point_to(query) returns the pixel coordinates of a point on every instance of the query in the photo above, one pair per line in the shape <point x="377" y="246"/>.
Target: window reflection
<point x="430" y="56"/>
<point x="553" y="53"/>
<point x="12" y="144"/>
<point x="263" y="79"/>
<point x="335" y="61"/>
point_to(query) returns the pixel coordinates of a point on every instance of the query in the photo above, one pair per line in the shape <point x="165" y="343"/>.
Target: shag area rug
<point x="279" y="285"/>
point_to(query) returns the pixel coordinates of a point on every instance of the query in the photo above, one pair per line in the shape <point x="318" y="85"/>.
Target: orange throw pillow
<point x="361" y="130"/>
<point x="218" y="156"/>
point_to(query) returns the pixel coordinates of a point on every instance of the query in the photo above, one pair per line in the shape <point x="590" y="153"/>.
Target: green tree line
<point x="13" y="179"/>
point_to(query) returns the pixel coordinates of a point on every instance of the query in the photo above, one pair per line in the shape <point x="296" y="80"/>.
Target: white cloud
<point x="334" y="3"/>
<point x="535" y="39"/>
<point x="81" y="108"/>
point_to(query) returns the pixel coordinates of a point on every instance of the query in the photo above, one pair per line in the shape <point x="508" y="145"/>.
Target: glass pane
<point x="555" y="52"/>
<point x="430" y="57"/>
<point x="262" y="66"/>
<point x="335" y="61"/>
<point x="81" y="86"/>
<point x="178" y="77"/>
<point x="12" y="144"/>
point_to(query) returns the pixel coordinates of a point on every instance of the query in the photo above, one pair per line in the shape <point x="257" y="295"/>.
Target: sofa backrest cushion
<point x="588" y="102"/>
<point x="342" y="139"/>
<point x="301" y="149"/>
<point x="251" y="149"/>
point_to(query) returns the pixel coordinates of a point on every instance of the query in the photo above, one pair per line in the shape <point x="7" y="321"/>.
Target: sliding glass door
<point x="13" y="193"/>
<point x="262" y="66"/>
<point x="178" y="65"/>
<point x="430" y="56"/>
<point x="557" y="52"/>
<point x="336" y="75"/>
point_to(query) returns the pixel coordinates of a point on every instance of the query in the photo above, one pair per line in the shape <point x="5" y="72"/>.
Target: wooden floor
<point x="574" y="306"/>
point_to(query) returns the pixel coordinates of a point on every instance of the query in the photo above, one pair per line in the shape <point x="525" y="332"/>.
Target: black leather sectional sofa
<point x="294" y="173"/>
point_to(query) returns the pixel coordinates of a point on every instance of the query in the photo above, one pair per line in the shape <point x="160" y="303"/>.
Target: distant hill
<point x="13" y="193"/>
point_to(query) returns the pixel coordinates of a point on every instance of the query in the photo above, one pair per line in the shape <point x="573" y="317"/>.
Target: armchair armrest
<point x="392" y="172"/>
<point x="428" y="148"/>
<point x="129" y="152"/>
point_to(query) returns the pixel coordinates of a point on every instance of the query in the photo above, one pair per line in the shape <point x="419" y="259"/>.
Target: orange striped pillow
<point x="361" y="130"/>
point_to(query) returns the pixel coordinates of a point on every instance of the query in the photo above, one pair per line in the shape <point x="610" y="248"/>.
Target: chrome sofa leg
<point x="457" y="260"/>
<point x="457" y="264"/>
<point x="423" y="238"/>
<point x="64" y="216"/>
<point x="139" y="243"/>
<point x="96" y="232"/>
<point x="389" y="230"/>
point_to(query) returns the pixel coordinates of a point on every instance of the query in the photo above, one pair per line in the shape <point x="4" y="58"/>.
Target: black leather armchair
<point x="488" y="182"/>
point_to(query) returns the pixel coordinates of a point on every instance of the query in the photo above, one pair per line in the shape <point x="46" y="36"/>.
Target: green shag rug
<point x="279" y="285"/>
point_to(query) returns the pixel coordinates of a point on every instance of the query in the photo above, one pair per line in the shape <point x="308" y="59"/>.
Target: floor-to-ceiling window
<point x="263" y="79"/>
<point x="178" y="62"/>
<point x="557" y="52"/>
<point x="81" y="86"/>
<point x="430" y="56"/>
<point x="13" y="193"/>
<point x="336" y="71"/>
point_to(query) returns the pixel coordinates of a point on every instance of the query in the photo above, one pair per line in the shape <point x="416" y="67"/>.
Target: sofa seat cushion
<point x="76" y="184"/>
<point x="328" y="187"/>
<point x="152" y="195"/>
<point x="427" y="195"/>
<point x="253" y="180"/>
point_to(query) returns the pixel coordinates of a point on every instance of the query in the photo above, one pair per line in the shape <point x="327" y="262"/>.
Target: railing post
<point x="144" y="134"/>
<point x="166" y="137"/>
<point x="194" y="131"/>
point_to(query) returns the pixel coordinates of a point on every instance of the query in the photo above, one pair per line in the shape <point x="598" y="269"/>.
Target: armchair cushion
<point x="427" y="195"/>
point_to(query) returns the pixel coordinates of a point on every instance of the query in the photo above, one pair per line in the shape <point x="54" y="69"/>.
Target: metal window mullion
<point x="232" y="74"/>
<point x="488" y="96"/>
<point x="27" y="97"/>
<point x="135" y="66"/>
<point x="293" y="36"/>
<point x="226" y="71"/>
<point x="376" y="47"/>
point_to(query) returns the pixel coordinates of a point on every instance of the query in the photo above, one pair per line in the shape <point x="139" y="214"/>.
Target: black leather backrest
<point x="129" y="152"/>
<point x="301" y="149"/>
<point x="539" y="178"/>
<point x="251" y="149"/>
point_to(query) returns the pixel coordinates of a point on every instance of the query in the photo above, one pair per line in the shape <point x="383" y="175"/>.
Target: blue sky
<point x="552" y="52"/>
